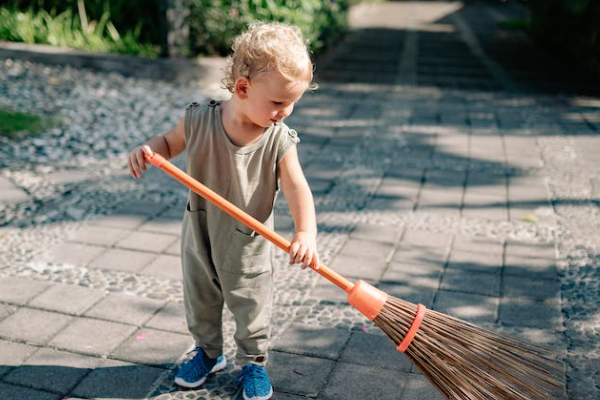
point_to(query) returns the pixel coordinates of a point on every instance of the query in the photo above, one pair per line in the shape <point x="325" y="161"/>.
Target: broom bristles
<point x="466" y="361"/>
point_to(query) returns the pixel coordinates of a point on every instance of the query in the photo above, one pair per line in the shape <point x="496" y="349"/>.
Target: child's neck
<point x="239" y="129"/>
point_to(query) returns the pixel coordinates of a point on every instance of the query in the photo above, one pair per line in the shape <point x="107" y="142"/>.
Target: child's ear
<point x="242" y="84"/>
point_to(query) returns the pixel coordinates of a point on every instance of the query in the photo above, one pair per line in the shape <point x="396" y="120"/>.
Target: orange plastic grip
<point x="416" y="324"/>
<point x="367" y="299"/>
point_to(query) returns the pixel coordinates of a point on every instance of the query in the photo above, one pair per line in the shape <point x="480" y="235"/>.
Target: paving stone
<point x="153" y="347"/>
<point x="376" y="233"/>
<point x="123" y="260"/>
<point x="477" y="262"/>
<point x="12" y="392"/>
<point x="431" y="257"/>
<point x="20" y="290"/>
<point x="147" y="241"/>
<point x="120" y="221"/>
<point x="390" y="204"/>
<point x="170" y="318"/>
<point x="530" y="313"/>
<point x="165" y="266"/>
<point x="398" y="189"/>
<point x="478" y="245"/>
<point x="467" y="281"/>
<point x="414" y="238"/>
<point x="71" y="253"/>
<point x="6" y="310"/>
<point x="125" y="308"/>
<point x="164" y="225"/>
<point x="297" y="374"/>
<point x="530" y="267"/>
<point x="374" y="350"/>
<point x="13" y="354"/>
<point x="141" y="207"/>
<point x="33" y="326"/>
<point x="52" y="370"/>
<point x="484" y="206"/>
<point x="416" y="275"/>
<point x="471" y="307"/>
<point x="326" y="293"/>
<point x="532" y="287"/>
<point x="367" y="249"/>
<point x="530" y="250"/>
<point x="68" y="299"/>
<point x="175" y="248"/>
<point x="419" y="388"/>
<point x="357" y="267"/>
<point x="118" y="380"/>
<point x="93" y="337"/>
<point x="447" y="200"/>
<point x="409" y="293"/>
<point x="98" y="235"/>
<point x="367" y="383"/>
<point x="313" y="341"/>
<point x="286" y="396"/>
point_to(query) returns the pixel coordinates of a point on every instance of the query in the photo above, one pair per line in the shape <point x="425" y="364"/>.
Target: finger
<point x="300" y="255"/>
<point x="316" y="260"/>
<point x="308" y="258"/>
<point x="147" y="150"/>
<point x="293" y="251"/>
<point x="141" y="160"/>
<point x="131" y="167"/>
<point x="135" y="166"/>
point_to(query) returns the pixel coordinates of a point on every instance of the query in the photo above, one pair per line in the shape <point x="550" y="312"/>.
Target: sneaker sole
<point x="191" y="385"/>
<point x="268" y="396"/>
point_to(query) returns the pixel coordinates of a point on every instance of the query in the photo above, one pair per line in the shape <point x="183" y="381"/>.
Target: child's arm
<point x="303" y="247"/>
<point x="169" y="145"/>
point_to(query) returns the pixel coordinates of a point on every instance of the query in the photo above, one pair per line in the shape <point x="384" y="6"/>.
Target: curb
<point x="205" y="70"/>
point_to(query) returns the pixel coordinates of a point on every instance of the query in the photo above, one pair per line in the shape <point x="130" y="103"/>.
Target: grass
<point x="17" y="125"/>
<point x="71" y="30"/>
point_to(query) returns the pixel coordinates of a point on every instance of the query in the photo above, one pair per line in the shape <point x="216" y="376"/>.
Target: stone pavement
<point x="443" y="173"/>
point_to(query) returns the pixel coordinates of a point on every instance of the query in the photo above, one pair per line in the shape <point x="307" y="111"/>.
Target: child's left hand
<point x="303" y="249"/>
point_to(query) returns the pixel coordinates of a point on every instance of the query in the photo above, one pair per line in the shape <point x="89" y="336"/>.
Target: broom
<point x="460" y="359"/>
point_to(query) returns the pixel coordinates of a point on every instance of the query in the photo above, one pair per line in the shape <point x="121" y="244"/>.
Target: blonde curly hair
<point x="266" y="47"/>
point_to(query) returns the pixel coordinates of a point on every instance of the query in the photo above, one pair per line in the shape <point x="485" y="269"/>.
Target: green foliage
<point x="570" y="28"/>
<point x="15" y="125"/>
<point x="515" y="24"/>
<point x="126" y="15"/>
<point x="70" y="29"/>
<point x="134" y="26"/>
<point x="215" y="23"/>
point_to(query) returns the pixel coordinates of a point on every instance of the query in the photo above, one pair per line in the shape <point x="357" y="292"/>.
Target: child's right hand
<point x="136" y="160"/>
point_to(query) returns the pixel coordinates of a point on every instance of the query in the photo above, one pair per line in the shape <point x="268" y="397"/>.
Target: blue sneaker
<point x="256" y="383"/>
<point x="194" y="372"/>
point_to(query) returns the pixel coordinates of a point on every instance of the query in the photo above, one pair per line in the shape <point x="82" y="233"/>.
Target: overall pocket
<point x="193" y="231"/>
<point x="248" y="253"/>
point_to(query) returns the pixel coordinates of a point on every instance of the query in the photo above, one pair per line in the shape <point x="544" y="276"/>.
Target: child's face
<point x="270" y="98"/>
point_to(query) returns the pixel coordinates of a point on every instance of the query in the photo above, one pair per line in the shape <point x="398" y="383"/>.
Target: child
<point x="241" y="149"/>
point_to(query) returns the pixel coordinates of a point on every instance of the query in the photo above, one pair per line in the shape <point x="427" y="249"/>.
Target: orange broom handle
<point x="160" y="162"/>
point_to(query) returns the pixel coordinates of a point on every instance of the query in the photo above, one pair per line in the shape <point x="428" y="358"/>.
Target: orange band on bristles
<point x="416" y="324"/>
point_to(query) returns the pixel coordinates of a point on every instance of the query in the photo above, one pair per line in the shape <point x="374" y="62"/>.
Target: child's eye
<point x="277" y="103"/>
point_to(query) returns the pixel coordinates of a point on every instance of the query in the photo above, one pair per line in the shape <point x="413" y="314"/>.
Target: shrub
<point x="569" y="27"/>
<point x="215" y="23"/>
